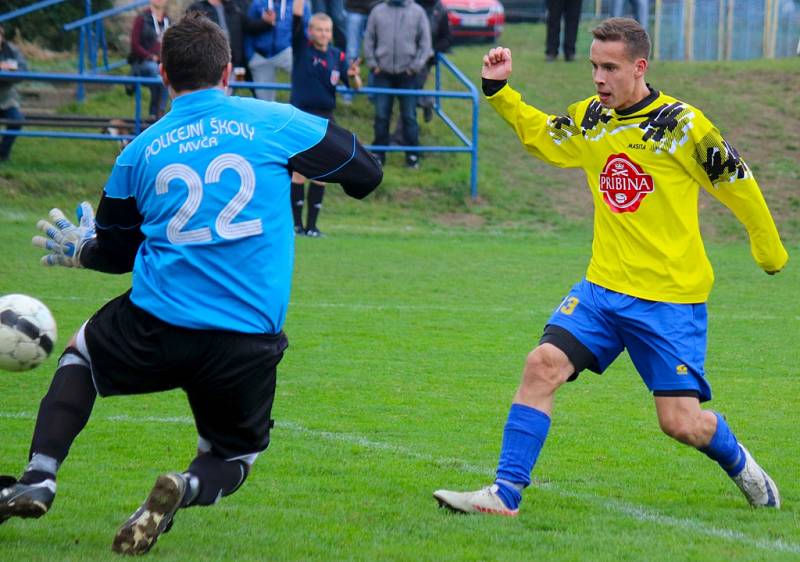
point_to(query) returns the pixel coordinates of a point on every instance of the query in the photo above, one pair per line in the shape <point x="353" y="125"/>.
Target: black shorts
<point x="228" y="377"/>
<point x="578" y="354"/>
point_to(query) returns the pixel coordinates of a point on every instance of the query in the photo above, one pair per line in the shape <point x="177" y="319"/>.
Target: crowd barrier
<point x="125" y="128"/>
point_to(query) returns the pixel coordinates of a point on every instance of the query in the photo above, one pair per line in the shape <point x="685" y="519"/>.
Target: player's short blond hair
<point x="321" y="17"/>
<point x="627" y="30"/>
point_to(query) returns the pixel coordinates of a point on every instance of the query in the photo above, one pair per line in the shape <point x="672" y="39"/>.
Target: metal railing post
<point x="473" y="170"/>
<point x="101" y="34"/>
<point x="137" y="116"/>
<point x="90" y="39"/>
<point x="79" y="91"/>
<point x="437" y="103"/>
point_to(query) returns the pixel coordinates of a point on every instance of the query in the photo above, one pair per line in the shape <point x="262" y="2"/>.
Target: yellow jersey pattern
<point x="645" y="166"/>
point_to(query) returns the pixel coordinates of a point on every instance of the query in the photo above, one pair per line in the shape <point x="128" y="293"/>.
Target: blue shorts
<point x="666" y="341"/>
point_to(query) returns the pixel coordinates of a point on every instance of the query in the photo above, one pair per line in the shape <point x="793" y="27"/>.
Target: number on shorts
<point x="569" y="305"/>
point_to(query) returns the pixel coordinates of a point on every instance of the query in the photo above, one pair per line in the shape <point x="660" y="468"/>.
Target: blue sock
<point x="523" y="438"/>
<point x="724" y="448"/>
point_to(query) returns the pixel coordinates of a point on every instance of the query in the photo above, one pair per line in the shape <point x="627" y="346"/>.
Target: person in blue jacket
<point x="270" y="50"/>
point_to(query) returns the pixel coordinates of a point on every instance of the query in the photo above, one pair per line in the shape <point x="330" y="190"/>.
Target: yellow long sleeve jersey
<point x="645" y="166"/>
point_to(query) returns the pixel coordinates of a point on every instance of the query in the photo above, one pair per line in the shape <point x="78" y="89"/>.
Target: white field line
<point x="438" y="307"/>
<point x="690" y="526"/>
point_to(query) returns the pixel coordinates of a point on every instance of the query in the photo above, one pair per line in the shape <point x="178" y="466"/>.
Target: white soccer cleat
<point x="756" y="485"/>
<point x="484" y="500"/>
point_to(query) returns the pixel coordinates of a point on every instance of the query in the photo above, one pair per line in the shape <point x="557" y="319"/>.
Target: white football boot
<point x="484" y="500"/>
<point x="756" y="485"/>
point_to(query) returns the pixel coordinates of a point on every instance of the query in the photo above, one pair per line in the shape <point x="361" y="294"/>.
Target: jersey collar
<point x="191" y="100"/>
<point x="651" y="97"/>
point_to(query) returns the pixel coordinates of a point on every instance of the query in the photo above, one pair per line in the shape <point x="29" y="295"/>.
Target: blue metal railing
<point x="134" y="81"/>
<point x="468" y="143"/>
<point x="104" y="14"/>
<point x="93" y="38"/>
<point x="473" y="143"/>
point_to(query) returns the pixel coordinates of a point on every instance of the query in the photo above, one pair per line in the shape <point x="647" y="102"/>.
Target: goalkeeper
<point x="197" y="207"/>
<point x="646" y="155"/>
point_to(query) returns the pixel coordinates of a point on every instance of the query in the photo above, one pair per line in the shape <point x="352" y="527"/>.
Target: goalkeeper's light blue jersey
<point x="211" y="182"/>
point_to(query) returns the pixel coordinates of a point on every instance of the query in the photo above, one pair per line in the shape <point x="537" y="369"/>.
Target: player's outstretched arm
<point x="497" y="64"/>
<point x="118" y="238"/>
<point x="340" y="158"/>
<point x="725" y="175"/>
<point x="64" y="240"/>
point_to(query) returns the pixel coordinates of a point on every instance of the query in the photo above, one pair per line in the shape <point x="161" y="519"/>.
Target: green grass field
<point x="409" y="326"/>
<point x="405" y="350"/>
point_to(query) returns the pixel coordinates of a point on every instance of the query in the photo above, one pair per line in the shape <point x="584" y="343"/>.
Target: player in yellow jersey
<point x="646" y="155"/>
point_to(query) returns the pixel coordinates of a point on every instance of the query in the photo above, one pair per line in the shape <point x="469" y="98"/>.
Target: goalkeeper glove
<point x="65" y="240"/>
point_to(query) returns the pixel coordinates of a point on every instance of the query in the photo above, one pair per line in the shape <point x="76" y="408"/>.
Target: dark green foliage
<point x="46" y="26"/>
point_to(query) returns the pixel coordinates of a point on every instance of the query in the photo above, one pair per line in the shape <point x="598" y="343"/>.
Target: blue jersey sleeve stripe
<point x="352" y="155"/>
<point x="289" y="120"/>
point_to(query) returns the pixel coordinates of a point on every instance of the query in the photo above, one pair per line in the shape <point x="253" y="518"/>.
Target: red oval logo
<point x="624" y="184"/>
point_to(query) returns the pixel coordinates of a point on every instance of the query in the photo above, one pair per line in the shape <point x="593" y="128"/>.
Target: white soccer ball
<point x="27" y="332"/>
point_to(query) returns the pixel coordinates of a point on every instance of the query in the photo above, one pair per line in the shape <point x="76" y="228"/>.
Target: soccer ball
<point x="27" y="332"/>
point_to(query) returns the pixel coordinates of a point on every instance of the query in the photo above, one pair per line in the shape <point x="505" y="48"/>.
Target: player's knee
<point x="72" y="356"/>
<point x="682" y="429"/>
<point x="544" y="366"/>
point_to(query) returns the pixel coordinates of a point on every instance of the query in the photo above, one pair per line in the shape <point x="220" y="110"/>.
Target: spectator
<point x="570" y="12"/>
<point x="441" y="40"/>
<point x="317" y="69"/>
<point x="10" y="60"/>
<point x="640" y="10"/>
<point x="231" y="16"/>
<point x="271" y="49"/>
<point x="356" y="13"/>
<point x="148" y="28"/>
<point x="335" y="9"/>
<point x="397" y="46"/>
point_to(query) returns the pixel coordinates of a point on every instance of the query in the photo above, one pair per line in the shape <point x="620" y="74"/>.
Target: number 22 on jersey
<point x="195" y="184"/>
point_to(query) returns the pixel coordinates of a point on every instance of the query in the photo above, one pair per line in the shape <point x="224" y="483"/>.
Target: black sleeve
<point x="340" y="158"/>
<point x="298" y="33"/>
<point x="118" y="237"/>
<point x="343" y="69"/>
<point x="491" y="87"/>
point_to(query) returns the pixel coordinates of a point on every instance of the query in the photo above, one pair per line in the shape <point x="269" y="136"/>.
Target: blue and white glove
<point x="65" y="240"/>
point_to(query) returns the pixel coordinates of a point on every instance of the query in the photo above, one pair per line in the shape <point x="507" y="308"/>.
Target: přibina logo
<point x="624" y="184"/>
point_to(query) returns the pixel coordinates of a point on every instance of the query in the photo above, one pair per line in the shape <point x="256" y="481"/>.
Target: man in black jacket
<point x="441" y="39"/>
<point x="10" y="60"/>
<point x="231" y="16"/>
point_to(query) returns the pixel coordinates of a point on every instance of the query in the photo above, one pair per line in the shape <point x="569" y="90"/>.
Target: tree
<point x="45" y="27"/>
